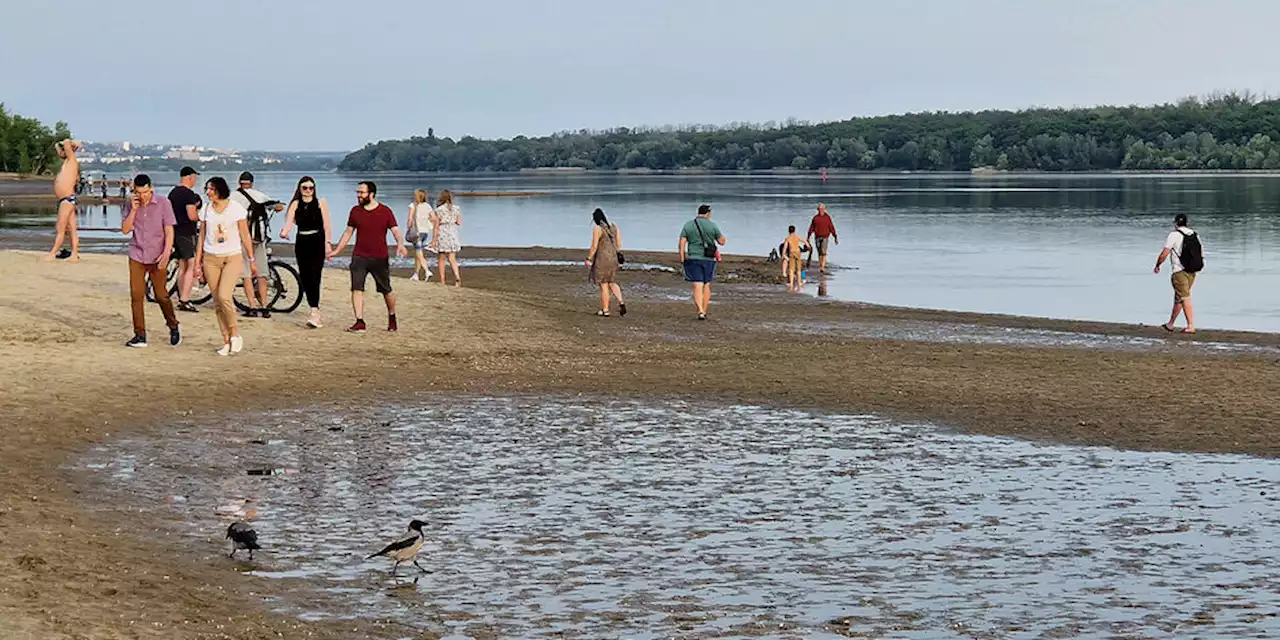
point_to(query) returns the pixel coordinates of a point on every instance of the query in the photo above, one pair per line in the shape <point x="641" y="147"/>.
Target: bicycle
<point x="284" y="286"/>
<point x="200" y="292"/>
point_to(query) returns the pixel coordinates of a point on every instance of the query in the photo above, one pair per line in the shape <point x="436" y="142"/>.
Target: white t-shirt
<point x="422" y="217"/>
<point x="221" y="230"/>
<point x="239" y="199"/>
<point x="1174" y="244"/>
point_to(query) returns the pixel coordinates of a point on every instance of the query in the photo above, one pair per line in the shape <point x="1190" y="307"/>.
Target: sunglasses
<point x="308" y="187"/>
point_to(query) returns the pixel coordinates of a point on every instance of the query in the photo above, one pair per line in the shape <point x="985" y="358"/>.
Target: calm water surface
<point x="1078" y="247"/>
<point x="637" y="519"/>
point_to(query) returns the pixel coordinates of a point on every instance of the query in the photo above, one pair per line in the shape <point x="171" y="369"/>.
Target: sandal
<point x="602" y="313"/>
<point x="1187" y="331"/>
<point x="1167" y="328"/>
<point x="622" y="309"/>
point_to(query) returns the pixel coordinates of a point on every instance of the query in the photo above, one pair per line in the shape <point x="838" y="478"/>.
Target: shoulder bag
<point x="708" y="248"/>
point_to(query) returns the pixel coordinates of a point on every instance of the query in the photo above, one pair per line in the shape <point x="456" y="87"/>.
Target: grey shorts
<point x="820" y="243"/>
<point x="260" y="255"/>
<point x="184" y="246"/>
<point x="379" y="268"/>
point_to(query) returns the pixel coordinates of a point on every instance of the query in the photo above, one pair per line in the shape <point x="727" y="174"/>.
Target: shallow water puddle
<point x="959" y="333"/>
<point x="647" y="519"/>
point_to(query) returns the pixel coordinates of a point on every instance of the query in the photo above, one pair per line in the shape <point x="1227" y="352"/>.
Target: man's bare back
<point x="64" y="188"/>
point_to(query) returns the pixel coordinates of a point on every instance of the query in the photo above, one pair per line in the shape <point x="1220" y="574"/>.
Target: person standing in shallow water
<point x="1182" y="248"/>
<point x="602" y="259"/>
<point x="445" y="240"/>
<point x="699" y="255"/>
<point x="311" y="213"/>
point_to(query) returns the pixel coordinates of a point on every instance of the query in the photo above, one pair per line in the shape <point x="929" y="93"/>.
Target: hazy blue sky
<point x="329" y="74"/>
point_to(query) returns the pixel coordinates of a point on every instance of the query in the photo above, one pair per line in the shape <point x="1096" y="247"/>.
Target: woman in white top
<point x="445" y="240"/>
<point x="224" y="241"/>
<point x="419" y="229"/>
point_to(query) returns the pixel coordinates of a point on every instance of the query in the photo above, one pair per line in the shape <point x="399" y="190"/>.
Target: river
<point x="1064" y="246"/>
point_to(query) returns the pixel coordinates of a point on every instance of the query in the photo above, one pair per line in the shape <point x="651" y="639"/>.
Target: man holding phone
<point x="149" y="220"/>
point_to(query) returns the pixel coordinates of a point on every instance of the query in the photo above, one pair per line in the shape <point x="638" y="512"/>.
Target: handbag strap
<point x="700" y="234"/>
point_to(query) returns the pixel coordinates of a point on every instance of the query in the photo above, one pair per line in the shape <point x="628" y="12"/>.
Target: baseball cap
<point x="188" y="171"/>
<point x="246" y="177"/>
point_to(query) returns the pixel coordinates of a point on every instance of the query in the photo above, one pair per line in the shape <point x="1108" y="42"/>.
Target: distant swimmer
<point x="64" y="189"/>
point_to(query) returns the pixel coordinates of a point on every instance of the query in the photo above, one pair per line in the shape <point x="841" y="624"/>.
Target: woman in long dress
<point x="445" y="221"/>
<point x="606" y="243"/>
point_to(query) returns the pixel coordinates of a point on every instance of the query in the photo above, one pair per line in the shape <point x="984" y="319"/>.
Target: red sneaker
<point x="358" y="327"/>
<point x="391" y="324"/>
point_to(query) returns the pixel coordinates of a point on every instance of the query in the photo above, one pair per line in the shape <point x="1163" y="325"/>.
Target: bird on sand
<point x="242" y="536"/>
<point x="406" y="548"/>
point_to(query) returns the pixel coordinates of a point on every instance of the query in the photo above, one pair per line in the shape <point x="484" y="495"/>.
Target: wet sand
<point x="69" y="385"/>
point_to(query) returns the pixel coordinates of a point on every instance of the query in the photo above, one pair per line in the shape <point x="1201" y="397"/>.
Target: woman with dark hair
<point x="224" y="241"/>
<point x="311" y="213"/>
<point x="445" y="241"/>
<point x="602" y="259"/>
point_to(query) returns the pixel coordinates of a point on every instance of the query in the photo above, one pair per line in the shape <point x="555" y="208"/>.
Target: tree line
<point x="1217" y="132"/>
<point x="26" y="145"/>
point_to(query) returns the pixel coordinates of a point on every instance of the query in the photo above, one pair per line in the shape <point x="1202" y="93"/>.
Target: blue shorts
<point x="421" y="243"/>
<point x="703" y="271"/>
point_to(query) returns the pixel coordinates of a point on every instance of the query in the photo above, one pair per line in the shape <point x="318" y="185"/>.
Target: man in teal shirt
<point x="699" y="254"/>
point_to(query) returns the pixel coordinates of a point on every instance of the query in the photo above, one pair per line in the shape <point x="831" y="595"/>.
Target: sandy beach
<point x="70" y="384"/>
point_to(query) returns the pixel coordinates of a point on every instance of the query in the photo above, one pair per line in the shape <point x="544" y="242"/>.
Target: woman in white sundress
<point x="445" y="220"/>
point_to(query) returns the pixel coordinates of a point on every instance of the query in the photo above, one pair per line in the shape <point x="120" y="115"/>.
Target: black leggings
<point x="309" y="249"/>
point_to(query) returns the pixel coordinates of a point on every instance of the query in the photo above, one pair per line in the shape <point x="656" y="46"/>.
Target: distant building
<point x="125" y="146"/>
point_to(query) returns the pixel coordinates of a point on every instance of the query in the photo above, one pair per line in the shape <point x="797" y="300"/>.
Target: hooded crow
<point x="406" y="548"/>
<point x="242" y="536"/>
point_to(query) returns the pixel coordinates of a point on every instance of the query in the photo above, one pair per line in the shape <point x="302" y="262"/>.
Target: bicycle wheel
<point x="170" y="281"/>
<point x="287" y="294"/>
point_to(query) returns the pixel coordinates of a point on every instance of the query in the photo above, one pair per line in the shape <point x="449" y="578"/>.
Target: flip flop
<point x="1167" y="328"/>
<point x="1186" y="331"/>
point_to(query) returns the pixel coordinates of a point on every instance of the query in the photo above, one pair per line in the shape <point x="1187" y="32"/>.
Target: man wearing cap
<point x="186" y="230"/>
<point x="254" y="202"/>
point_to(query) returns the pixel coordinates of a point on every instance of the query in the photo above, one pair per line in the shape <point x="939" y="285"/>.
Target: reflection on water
<point x="644" y="519"/>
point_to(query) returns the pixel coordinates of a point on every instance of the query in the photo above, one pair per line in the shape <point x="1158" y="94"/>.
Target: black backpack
<point x="1192" y="255"/>
<point x="258" y="221"/>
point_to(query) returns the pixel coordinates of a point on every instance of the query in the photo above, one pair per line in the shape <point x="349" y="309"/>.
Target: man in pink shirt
<point x="148" y="217"/>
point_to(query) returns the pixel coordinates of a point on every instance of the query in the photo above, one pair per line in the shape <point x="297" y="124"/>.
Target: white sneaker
<point x="414" y="277"/>
<point x="237" y="344"/>
<point x="428" y="278"/>
<point x="225" y="350"/>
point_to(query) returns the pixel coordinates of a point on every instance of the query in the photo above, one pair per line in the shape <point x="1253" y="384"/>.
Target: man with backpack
<point x="1186" y="256"/>
<point x="254" y="202"/>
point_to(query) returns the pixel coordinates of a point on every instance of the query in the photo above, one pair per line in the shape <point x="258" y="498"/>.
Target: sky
<point x="337" y="74"/>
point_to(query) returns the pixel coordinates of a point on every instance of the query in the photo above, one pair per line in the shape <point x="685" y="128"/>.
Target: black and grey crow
<point x="242" y="536"/>
<point x="405" y="549"/>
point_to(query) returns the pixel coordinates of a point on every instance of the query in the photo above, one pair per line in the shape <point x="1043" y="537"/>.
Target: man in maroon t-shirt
<point x="370" y="220"/>
<point x="822" y="227"/>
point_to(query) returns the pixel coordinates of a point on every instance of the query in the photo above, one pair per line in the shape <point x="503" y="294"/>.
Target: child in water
<point x="792" y="249"/>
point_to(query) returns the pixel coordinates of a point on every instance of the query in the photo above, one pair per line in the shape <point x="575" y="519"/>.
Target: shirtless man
<point x="64" y="189"/>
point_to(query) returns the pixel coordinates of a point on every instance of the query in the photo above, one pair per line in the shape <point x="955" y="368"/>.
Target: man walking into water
<point x="64" y="189"/>
<point x="255" y="202"/>
<point x="186" y="210"/>
<point x="1182" y="248"/>
<point x="699" y="254"/>
<point x="824" y="229"/>
<point x="149" y="219"/>
<point x="370" y="221"/>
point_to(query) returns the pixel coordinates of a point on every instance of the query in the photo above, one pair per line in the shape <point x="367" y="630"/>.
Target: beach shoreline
<point x="517" y="330"/>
